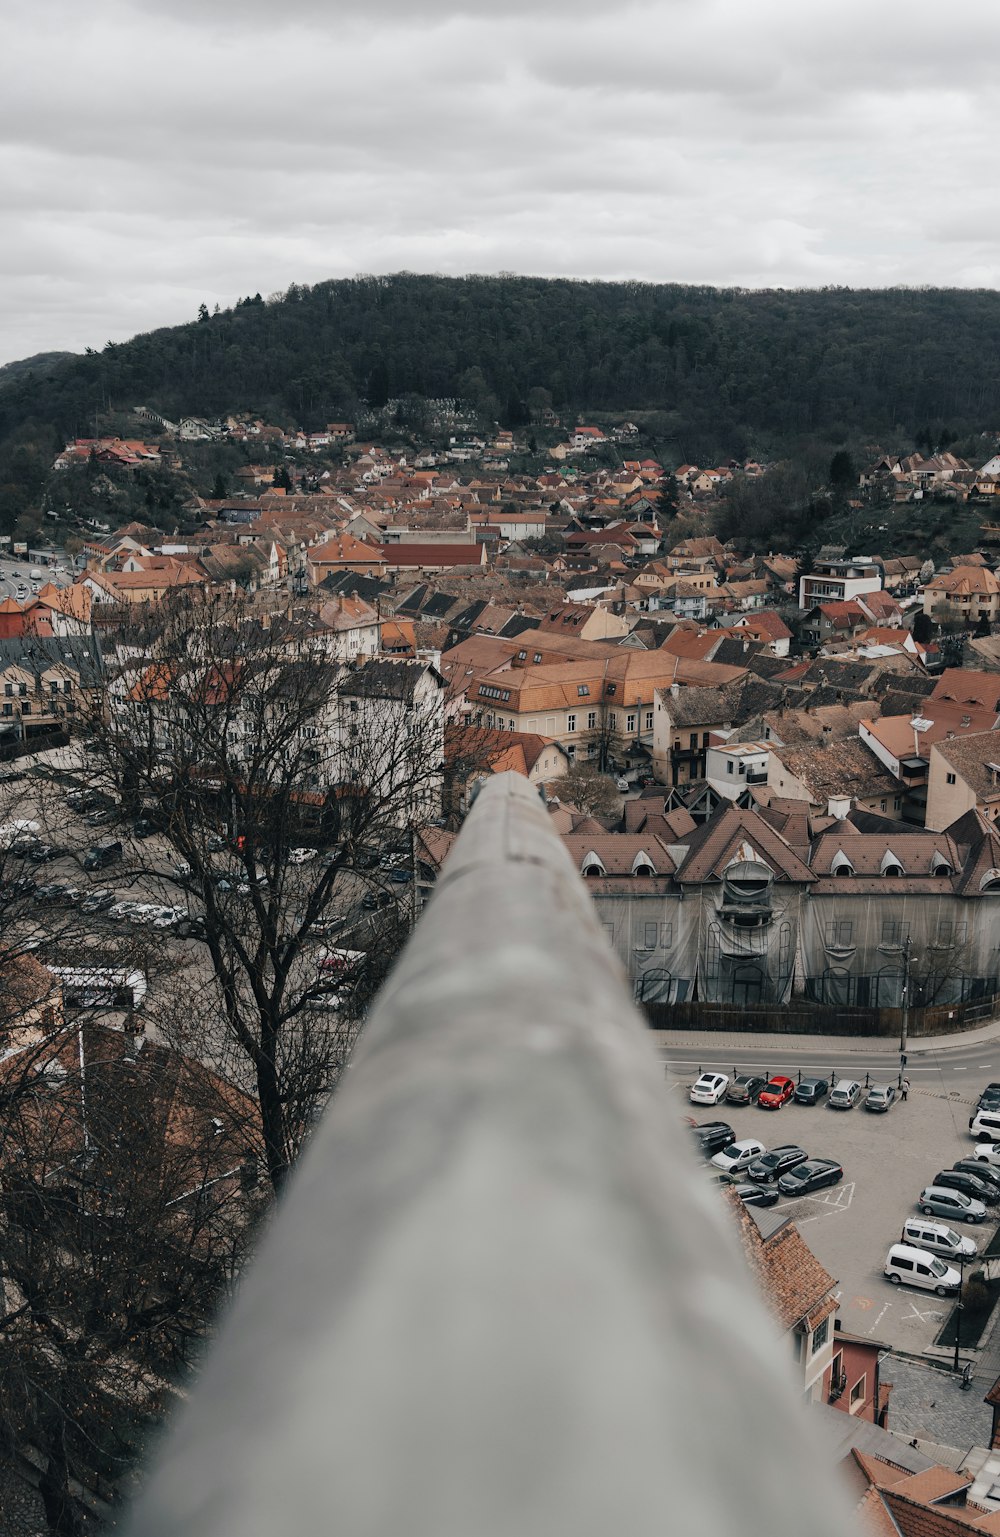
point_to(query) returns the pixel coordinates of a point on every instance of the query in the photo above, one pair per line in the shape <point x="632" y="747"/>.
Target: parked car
<point x="988" y="1152"/>
<point x="934" y="1201"/>
<point x="622" y="785"/>
<point x="990" y="1095"/>
<point x="845" y="1094"/>
<point x="809" y="1091"/>
<point x="769" y="1167"/>
<point x="101" y="816"/>
<point x="917" y="1268"/>
<point x="192" y="927"/>
<point x="41" y="853"/>
<point x="814" y="1174"/>
<point x="744" y="1088"/>
<point x="709" y="1088"/>
<point x="102" y="855"/>
<point x="181" y="869"/>
<point x="57" y="893"/>
<point x="82" y="800"/>
<point x="938" y="1238"/>
<point x="756" y="1195"/>
<point x="711" y="1136"/>
<point x="123" y="912"/>
<point x="880" y="1097"/>
<point x="143" y="827"/>
<point x="969" y="1184"/>
<point x="215" y="844"/>
<point x="372" y="900"/>
<point x="985" y="1123"/>
<point x="775" y="1093"/>
<point x="98" y="901"/>
<point x="982" y="1171"/>
<point x="301" y="856"/>
<point x="738" y="1154"/>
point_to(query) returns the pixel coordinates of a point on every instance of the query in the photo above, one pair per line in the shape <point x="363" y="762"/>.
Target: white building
<point x="834" y="581"/>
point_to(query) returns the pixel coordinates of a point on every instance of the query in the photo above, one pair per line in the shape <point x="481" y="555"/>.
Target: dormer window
<point x="840" y="864"/>
<point x="642" y="864"/>
<point x="890" y="865"/>
<point x="940" y="865"/>
<point x="592" y="865"/>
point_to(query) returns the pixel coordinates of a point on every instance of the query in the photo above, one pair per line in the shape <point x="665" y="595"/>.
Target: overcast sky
<point x="154" y="156"/>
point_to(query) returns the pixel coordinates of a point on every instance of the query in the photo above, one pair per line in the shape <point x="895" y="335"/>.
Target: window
<point x="649" y="720"/>
<point x="583" y="690"/>
<point x="591" y="720"/>
<point x="894" y="932"/>
<point x="649" y="937"/>
<point x="666" y="934"/>
<point x="537" y="657"/>
<point x="840" y="931"/>
<point x="950" y="779"/>
<point x="522" y="656"/>
<point x="630" y="723"/>
<point x="693" y="741"/>
<point x="571" y="723"/>
<point x="609" y="929"/>
<point x="612" y="688"/>
<point x="858" y="1392"/>
<point x="612" y="722"/>
<point x="729" y="765"/>
<point x="704" y="739"/>
<point x="952" y="933"/>
<point x="819" y="1336"/>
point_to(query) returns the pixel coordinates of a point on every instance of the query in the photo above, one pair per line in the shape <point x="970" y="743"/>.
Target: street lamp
<point x="958" y="1310"/>
<point x="904" y="1021"/>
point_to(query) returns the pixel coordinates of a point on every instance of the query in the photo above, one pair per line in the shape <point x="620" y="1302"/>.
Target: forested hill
<point x="729" y="364"/>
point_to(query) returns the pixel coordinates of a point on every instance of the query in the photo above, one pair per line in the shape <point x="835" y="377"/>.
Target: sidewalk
<point x="718" y="1042"/>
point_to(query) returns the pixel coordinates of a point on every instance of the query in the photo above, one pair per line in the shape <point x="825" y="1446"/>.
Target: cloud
<point x="205" y="152"/>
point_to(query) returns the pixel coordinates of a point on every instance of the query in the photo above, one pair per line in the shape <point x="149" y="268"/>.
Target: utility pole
<point x="905" y="1012"/>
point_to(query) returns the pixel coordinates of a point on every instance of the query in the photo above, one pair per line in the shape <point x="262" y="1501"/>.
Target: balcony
<point x="497" y="1296"/>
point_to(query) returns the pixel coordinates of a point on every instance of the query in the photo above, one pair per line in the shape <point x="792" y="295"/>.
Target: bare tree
<point x="126" y="1204"/>
<point x="276" y="777"/>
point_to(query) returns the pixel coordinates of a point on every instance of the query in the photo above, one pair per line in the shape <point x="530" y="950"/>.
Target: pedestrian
<point x="904" y="1089"/>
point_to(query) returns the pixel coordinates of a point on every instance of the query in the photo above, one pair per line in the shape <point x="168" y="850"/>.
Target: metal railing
<point x="497" y="1298"/>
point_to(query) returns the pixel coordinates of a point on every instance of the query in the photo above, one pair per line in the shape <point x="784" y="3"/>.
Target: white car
<point x="167" y="917"/>
<point x="738" y="1154"/>
<point x="300" y="856"/>
<point x="622" y="784"/>
<point x="709" y="1089"/>
<point x="988" y="1152"/>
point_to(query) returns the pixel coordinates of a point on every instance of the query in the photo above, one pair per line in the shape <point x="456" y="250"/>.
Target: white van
<point x="940" y="1239"/>
<point x="918" y="1268"/>
<point x="985" y="1125"/>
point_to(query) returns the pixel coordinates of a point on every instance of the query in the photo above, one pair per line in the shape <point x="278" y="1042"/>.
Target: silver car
<point x="937" y="1201"/>
<point x="881" y="1096"/>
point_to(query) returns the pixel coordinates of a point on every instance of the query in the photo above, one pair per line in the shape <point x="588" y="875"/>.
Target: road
<point x="16" y="574"/>
<point x="952" y="1066"/>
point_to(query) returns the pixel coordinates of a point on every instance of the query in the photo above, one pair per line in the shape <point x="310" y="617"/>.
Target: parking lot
<point x="887" y="1160"/>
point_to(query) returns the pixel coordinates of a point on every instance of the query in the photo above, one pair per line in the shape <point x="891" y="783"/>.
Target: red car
<point x="775" y="1092"/>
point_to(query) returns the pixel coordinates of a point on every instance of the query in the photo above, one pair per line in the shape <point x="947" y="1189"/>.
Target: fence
<point x="498" y="1297"/>
<point x="801" y="1018"/>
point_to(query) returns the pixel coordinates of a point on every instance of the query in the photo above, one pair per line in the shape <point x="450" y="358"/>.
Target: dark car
<point x="372" y="900"/>
<point x="55" y="892"/>
<point x="142" y="827"/>
<point x="809" y="1091"/>
<point x="400" y="876"/>
<point x="814" y="1174"/>
<point x="192" y="927"/>
<point x="969" y="1184"/>
<point x="102" y="855"/>
<point x="101" y="817"/>
<point x="756" y="1195"/>
<point x="215" y="844"/>
<point x="984" y="1171"/>
<point x="82" y="800"/>
<point x="990" y="1096"/>
<point x="98" y="901"/>
<point x="744" y="1089"/>
<point x="43" y="852"/>
<point x="771" y="1165"/>
<point x="712" y="1136"/>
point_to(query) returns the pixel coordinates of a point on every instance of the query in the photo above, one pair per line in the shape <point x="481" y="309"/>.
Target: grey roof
<point x="698" y="706"/>
<point x="384" y="680"/>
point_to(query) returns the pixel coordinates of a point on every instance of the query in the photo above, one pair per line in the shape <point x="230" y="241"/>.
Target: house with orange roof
<point x="967" y="593"/>
<point x="343" y="552"/>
